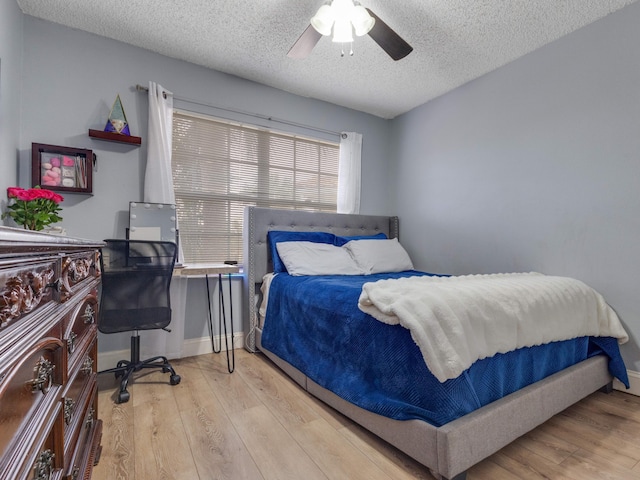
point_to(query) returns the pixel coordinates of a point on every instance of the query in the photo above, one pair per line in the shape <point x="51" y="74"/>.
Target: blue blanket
<point x="314" y="324"/>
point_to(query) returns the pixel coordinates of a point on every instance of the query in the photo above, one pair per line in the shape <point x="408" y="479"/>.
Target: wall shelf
<point x="115" y="137"/>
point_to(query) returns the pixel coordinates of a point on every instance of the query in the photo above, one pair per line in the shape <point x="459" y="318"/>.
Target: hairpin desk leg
<point x="222" y="316"/>
<point x="222" y="321"/>
<point x="213" y="346"/>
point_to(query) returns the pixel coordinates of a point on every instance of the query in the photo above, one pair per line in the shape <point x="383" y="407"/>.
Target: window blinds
<point x="220" y="167"/>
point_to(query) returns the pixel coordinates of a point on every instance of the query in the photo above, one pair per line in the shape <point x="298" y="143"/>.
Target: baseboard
<point x="200" y="346"/>
<point x="634" y="382"/>
<point x="190" y="348"/>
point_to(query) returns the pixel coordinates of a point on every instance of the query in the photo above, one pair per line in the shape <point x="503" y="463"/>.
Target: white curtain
<point x="158" y="188"/>
<point x="349" y="172"/>
<point x="158" y="182"/>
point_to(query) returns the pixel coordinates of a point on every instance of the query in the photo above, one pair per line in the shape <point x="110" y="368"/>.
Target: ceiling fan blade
<point x="305" y="43"/>
<point x="389" y="40"/>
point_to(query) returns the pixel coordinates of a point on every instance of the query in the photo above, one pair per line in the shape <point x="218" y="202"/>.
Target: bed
<point x="448" y="447"/>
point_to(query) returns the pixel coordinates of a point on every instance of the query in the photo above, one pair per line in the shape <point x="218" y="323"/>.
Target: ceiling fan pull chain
<point x="350" y="49"/>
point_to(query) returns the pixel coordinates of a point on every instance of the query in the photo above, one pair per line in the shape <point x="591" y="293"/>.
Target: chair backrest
<point x="136" y="277"/>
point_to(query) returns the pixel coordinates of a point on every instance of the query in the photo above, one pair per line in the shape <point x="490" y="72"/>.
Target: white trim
<point x="190" y="347"/>
<point x="200" y="346"/>
<point x="634" y="382"/>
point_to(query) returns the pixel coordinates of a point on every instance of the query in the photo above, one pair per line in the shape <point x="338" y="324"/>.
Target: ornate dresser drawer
<point x="29" y="389"/>
<point x="49" y="426"/>
<point x="80" y="328"/>
<point x="43" y="460"/>
<point x="89" y="429"/>
<point x="78" y="402"/>
<point x="77" y="269"/>
<point x="25" y="288"/>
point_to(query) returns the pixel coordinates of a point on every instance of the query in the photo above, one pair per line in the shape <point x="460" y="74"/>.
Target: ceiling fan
<point x="344" y="17"/>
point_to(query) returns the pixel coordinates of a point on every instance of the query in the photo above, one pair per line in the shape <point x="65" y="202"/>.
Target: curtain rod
<point x="142" y="88"/>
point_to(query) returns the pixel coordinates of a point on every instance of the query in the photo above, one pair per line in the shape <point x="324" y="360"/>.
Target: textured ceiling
<point x="454" y="41"/>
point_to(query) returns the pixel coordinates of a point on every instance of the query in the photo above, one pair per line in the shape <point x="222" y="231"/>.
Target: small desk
<point x="206" y="269"/>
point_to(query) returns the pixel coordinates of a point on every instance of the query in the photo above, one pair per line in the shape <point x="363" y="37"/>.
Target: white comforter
<point x="458" y="320"/>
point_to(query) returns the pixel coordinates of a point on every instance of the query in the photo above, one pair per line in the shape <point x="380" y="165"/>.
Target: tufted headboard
<point x="257" y="259"/>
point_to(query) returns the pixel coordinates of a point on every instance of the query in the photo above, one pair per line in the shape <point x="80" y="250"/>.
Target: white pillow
<point x="310" y="258"/>
<point x="378" y="256"/>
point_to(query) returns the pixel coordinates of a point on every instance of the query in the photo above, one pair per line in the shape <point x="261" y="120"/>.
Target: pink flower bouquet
<point x="33" y="208"/>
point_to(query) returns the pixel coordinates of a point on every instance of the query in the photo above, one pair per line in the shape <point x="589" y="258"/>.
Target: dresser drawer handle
<point x="90" y="414"/>
<point x="43" y="468"/>
<point x="55" y="285"/>
<point x="89" y="315"/>
<point x="71" y="343"/>
<point x="87" y="366"/>
<point x="69" y="404"/>
<point x="43" y="376"/>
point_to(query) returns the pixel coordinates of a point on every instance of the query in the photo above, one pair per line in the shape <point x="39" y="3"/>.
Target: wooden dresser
<point x="49" y="426"/>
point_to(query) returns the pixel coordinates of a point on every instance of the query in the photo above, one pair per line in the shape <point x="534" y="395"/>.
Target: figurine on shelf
<point x="117" y="122"/>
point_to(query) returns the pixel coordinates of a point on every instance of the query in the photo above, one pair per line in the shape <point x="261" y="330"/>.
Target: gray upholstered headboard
<point x="257" y="259"/>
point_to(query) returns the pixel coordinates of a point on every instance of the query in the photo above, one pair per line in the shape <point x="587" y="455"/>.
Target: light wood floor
<point x="257" y="424"/>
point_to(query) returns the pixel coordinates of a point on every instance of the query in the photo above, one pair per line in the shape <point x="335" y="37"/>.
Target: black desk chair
<point x="136" y="276"/>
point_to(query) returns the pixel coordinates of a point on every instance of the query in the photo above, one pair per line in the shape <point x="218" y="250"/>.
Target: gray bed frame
<point x="448" y="451"/>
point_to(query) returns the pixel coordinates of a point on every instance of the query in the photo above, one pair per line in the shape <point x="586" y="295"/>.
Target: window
<point x="220" y="167"/>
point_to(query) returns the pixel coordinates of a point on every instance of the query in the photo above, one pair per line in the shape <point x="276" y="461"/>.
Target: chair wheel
<point x="175" y="379"/>
<point x="123" y="397"/>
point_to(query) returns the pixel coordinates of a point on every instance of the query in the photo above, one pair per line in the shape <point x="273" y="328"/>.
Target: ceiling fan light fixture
<point x="361" y="20"/>
<point x="322" y="21"/>
<point x="342" y="31"/>
<point x="342" y="17"/>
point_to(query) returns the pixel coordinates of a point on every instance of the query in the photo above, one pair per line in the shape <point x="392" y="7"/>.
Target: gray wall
<point x="10" y="92"/>
<point x="71" y="79"/>
<point x="534" y="167"/>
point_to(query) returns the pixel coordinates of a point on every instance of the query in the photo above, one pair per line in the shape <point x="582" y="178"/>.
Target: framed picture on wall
<point x="64" y="169"/>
